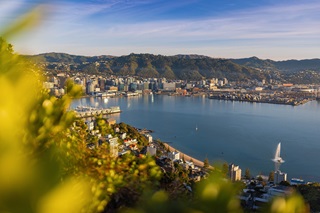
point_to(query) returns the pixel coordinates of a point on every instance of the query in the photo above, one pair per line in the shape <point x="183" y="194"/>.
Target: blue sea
<point x="243" y="133"/>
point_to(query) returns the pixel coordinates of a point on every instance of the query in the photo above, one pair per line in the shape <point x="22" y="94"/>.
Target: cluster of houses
<point x="256" y="193"/>
<point x="121" y="144"/>
<point x="168" y="160"/>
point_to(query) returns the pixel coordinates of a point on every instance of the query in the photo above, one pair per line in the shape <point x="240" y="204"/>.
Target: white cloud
<point x="276" y="22"/>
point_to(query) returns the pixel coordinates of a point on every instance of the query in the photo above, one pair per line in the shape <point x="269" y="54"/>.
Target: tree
<point x="271" y="176"/>
<point x="167" y="149"/>
<point x="311" y="194"/>
<point x="183" y="158"/>
<point x="284" y="183"/>
<point x="102" y="126"/>
<point x="225" y="169"/>
<point x="247" y="174"/>
<point x="206" y="163"/>
<point x="161" y="144"/>
<point x="6" y="48"/>
<point x="32" y="121"/>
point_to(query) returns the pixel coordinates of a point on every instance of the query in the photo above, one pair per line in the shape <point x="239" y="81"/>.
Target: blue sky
<point x="274" y="29"/>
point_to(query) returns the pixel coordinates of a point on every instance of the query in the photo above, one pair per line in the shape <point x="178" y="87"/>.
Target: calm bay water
<point x="243" y="133"/>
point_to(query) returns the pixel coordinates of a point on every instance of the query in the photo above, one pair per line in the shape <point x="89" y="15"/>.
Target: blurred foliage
<point x="293" y="203"/>
<point x="31" y="123"/>
<point x="101" y="125"/>
<point x="45" y="159"/>
<point x="215" y="194"/>
<point x="45" y="164"/>
<point x="311" y="194"/>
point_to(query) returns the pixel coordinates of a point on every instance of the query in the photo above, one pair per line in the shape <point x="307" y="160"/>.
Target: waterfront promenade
<point x="196" y="162"/>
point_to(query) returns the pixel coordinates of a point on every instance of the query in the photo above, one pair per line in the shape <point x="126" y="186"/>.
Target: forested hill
<point x="65" y="58"/>
<point x="189" y="67"/>
<point x="283" y="66"/>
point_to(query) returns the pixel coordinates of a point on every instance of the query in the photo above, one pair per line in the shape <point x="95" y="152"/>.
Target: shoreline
<point x="291" y="103"/>
<point x="186" y="157"/>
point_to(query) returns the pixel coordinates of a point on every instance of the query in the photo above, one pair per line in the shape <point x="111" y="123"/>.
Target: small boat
<point x="196" y="128"/>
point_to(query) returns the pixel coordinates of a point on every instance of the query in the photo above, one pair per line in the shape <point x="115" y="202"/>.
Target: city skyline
<point x="267" y="29"/>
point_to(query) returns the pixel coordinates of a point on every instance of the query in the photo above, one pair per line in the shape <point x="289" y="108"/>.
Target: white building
<point x="151" y="150"/>
<point x="174" y="155"/>
<point x="189" y="86"/>
<point x="234" y="172"/>
<point x="169" y="86"/>
<point x="48" y="85"/>
<point x="220" y="83"/>
<point x="113" y="142"/>
<point x="212" y="86"/>
<point x="123" y="136"/>
<point x="225" y="81"/>
<point x="279" y="176"/>
<point x="189" y="164"/>
<point x="149" y="138"/>
<point x="90" y="125"/>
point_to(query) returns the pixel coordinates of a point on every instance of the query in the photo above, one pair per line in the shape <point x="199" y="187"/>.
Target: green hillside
<point x="186" y="67"/>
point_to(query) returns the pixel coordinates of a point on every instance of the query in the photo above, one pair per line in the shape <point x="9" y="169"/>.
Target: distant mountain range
<point x="65" y="58"/>
<point x="188" y="67"/>
<point x="284" y="66"/>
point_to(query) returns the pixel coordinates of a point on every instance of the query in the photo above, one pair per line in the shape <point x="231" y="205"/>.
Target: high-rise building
<point x="279" y="176"/>
<point x="113" y="143"/>
<point x="234" y="172"/>
<point x="225" y="81"/>
<point x="101" y="82"/>
<point x="146" y="85"/>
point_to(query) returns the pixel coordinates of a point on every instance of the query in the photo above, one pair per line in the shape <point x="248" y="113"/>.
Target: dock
<point x="86" y="112"/>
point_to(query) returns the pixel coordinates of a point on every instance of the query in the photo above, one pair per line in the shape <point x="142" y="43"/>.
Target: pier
<point x="293" y="99"/>
<point x="86" y="112"/>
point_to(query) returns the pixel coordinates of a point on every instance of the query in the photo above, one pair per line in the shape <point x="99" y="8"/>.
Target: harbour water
<point x="244" y="133"/>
